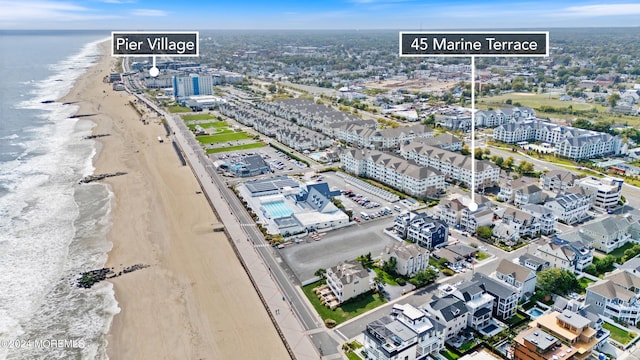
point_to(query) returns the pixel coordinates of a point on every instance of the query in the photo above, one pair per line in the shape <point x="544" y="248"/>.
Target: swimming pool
<point x="277" y="209"/>
<point x="535" y="312"/>
<point x="489" y="328"/>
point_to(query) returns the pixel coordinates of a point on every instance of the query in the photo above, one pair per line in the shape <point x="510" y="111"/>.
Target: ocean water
<point x="51" y="228"/>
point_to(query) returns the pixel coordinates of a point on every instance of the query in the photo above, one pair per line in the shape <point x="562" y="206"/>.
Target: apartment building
<point x="522" y="278"/>
<point x="570" y="328"/>
<point x="562" y="254"/>
<point x="570" y="208"/>
<point x="404" y="175"/>
<point x="382" y="139"/>
<point x="454" y="166"/>
<point x="557" y="180"/>
<point x="506" y="296"/>
<point x="607" y="191"/>
<point x="607" y="233"/>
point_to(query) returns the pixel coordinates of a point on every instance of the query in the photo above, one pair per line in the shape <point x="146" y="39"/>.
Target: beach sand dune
<point x="195" y="301"/>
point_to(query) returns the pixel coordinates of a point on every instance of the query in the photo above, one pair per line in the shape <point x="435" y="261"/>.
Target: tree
<point x="365" y="260"/>
<point x="525" y="168"/>
<point x="613" y="99"/>
<point x="508" y="163"/>
<point x="465" y="150"/>
<point x="389" y="266"/>
<point x="478" y="154"/>
<point x="484" y="232"/>
<point x="272" y="88"/>
<point x="424" y="278"/>
<point x="558" y="281"/>
<point x="320" y="272"/>
<point x="430" y="120"/>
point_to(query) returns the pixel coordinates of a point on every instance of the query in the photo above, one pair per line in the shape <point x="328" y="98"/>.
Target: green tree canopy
<point x="558" y="281"/>
<point x="484" y="232"/>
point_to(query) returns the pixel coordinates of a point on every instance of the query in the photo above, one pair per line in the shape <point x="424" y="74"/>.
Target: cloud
<point x="149" y="12"/>
<point x="603" y="10"/>
<point x="20" y="11"/>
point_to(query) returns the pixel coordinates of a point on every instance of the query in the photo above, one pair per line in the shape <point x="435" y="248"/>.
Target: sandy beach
<point x="194" y="301"/>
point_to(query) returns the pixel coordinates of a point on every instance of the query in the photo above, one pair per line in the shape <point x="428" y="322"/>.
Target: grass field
<point x="482" y="255"/>
<point x="216" y="124"/>
<point x="618" y="334"/>
<point x="197" y="117"/>
<point x="349" y="310"/>
<point x="223" y="136"/>
<point x="178" y="109"/>
<point x="236" y="147"/>
<point x="595" y="112"/>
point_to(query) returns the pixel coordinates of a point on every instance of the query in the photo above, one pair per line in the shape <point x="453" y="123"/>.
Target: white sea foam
<point x="51" y="228"/>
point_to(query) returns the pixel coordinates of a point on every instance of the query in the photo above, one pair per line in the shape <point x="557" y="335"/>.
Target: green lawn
<point x="450" y="355"/>
<point x="223" y="137"/>
<point x="620" y="251"/>
<point x="534" y="101"/>
<point x="388" y="279"/>
<point x="346" y="311"/>
<point x="515" y="319"/>
<point x="352" y="356"/>
<point x="217" y="125"/>
<point x="584" y="282"/>
<point x="236" y="147"/>
<point x="466" y="346"/>
<point x="618" y="334"/>
<point x="482" y="255"/>
<point x="197" y="117"/>
<point x="179" y="109"/>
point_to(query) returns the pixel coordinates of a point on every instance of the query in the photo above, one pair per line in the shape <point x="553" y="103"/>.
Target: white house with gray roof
<point x="607" y="233"/>
<point x="347" y="280"/>
<point x="410" y="258"/>
<point x="616" y="296"/>
<point x="506" y="296"/>
<point x="570" y="208"/>
<point x="407" y="333"/>
<point x="557" y="180"/>
<point x="522" y="278"/>
<point x="451" y="312"/>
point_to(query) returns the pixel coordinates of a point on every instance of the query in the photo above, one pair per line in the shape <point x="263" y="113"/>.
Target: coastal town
<point x="342" y="177"/>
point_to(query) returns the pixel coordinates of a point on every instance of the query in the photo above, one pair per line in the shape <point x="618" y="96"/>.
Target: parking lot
<point x="279" y="162"/>
<point x="339" y="245"/>
<point x="360" y="201"/>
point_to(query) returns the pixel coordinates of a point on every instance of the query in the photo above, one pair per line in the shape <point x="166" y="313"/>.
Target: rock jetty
<point x="95" y="136"/>
<point x="89" y="278"/>
<point x="91" y="178"/>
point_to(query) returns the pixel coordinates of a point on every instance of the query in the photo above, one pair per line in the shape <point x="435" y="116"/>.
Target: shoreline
<point x="195" y="300"/>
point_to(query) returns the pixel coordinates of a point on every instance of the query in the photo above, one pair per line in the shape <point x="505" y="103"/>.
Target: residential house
<point x="422" y="229"/>
<point x="451" y="312"/>
<point x="478" y="302"/>
<point x="557" y="180"/>
<point x="570" y="328"/>
<point x="616" y="296"/>
<point x="347" y="280"/>
<point x="573" y="256"/>
<point x="506" y="296"/>
<point x="407" y="333"/>
<point x="516" y="224"/>
<point x="520" y="277"/>
<point x="606" y="233"/>
<point x="542" y="216"/>
<point x="535" y="344"/>
<point x="410" y="258"/>
<point x="570" y="208"/>
<point x="533" y="262"/>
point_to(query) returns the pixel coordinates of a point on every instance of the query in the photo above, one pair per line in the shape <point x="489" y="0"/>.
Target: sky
<point x="324" y="14"/>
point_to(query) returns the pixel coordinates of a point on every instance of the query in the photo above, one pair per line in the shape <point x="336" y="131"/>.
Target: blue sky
<point x="324" y="14"/>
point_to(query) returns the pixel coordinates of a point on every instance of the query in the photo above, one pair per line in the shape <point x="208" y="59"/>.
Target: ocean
<point x="51" y="228"/>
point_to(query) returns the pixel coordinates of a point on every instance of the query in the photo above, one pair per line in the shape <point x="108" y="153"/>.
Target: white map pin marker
<point x="154" y="71"/>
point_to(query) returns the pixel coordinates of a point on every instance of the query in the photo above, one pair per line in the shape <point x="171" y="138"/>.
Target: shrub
<point x="401" y="281"/>
<point x="329" y="323"/>
<point x="448" y="272"/>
